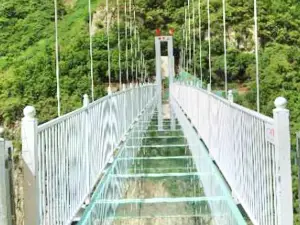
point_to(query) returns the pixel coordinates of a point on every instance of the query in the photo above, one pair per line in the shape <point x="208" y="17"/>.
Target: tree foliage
<point x="27" y="54"/>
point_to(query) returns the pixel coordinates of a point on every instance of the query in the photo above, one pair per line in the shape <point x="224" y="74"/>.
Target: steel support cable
<point x="126" y="40"/>
<point x="209" y="40"/>
<point x="180" y="55"/>
<point x="131" y="41"/>
<point x="181" y="51"/>
<point x="135" y="45"/>
<point x="189" y="36"/>
<point x="183" y="48"/>
<point x="91" y="51"/>
<point x="119" y="45"/>
<point x="180" y="58"/>
<point x="108" y="45"/>
<point x="256" y="57"/>
<point x="145" y="69"/>
<point x="200" y="42"/>
<point x="140" y="56"/>
<point x="186" y="41"/>
<point x="141" y="67"/>
<point x="194" y="40"/>
<point x="57" y="60"/>
<point x="225" y="46"/>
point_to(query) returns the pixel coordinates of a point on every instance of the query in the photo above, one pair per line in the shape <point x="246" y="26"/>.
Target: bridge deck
<point x="154" y="180"/>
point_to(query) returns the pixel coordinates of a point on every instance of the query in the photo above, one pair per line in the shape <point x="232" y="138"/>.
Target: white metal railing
<point x="251" y="150"/>
<point x="71" y="152"/>
<point x="5" y="198"/>
<point x="213" y="184"/>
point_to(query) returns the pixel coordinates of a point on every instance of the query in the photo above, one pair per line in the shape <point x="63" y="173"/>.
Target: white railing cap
<point x="280" y="103"/>
<point x="1" y="132"/>
<point x="109" y="91"/>
<point x="86" y="100"/>
<point x="29" y="112"/>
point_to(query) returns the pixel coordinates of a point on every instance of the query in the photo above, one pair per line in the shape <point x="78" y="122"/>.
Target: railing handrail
<point x="251" y="150"/>
<point x="235" y="105"/>
<point x="69" y="115"/>
<point x="73" y="150"/>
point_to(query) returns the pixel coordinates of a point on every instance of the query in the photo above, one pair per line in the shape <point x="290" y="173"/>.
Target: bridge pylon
<point x="158" y="41"/>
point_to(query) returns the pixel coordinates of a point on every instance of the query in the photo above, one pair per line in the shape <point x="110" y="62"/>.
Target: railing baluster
<point x="65" y="157"/>
<point x="251" y="150"/>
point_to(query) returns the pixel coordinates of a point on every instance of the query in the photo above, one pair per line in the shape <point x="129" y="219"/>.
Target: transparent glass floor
<point x="155" y="180"/>
<point x="156" y="164"/>
<point x="184" y="212"/>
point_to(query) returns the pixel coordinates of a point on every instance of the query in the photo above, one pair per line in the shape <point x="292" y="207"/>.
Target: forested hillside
<point x="27" y="53"/>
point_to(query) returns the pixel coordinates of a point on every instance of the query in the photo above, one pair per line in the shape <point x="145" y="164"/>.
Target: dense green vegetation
<point x="27" y="65"/>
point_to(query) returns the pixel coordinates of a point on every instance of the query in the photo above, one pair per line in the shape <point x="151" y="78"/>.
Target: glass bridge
<point x="156" y="179"/>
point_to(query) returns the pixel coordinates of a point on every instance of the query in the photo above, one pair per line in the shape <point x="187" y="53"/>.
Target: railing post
<point x="86" y="102"/>
<point x="283" y="151"/>
<point x="209" y="87"/>
<point x="124" y="113"/>
<point x="109" y="92"/>
<point x="131" y="102"/>
<point x="3" y="209"/>
<point x="298" y="164"/>
<point x="209" y="116"/>
<point x="30" y="158"/>
<point x="137" y="102"/>
<point x="5" y="198"/>
<point x="230" y="96"/>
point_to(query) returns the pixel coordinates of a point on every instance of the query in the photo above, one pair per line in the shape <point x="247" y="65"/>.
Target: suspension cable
<point x="200" y="42"/>
<point x="119" y="45"/>
<point x="194" y="40"/>
<point x="186" y="42"/>
<point x="183" y="41"/>
<point x="256" y="57"/>
<point x="57" y="59"/>
<point x="126" y="40"/>
<point x="225" y="46"/>
<point x="139" y="56"/>
<point x="189" y="36"/>
<point x="141" y="67"/>
<point x="182" y="61"/>
<point x="209" y="41"/>
<point x="144" y="68"/>
<point x="91" y="50"/>
<point x="146" y="74"/>
<point x="108" y="45"/>
<point x="131" y="42"/>
<point x="135" y="45"/>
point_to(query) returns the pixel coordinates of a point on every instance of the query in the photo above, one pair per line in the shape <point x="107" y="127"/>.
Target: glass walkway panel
<point x="155" y="179"/>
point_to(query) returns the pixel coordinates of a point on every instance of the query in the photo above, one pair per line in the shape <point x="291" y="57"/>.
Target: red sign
<point x="269" y="133"/>
<point x="171" y="31"/>
<point x="157" y="32"/>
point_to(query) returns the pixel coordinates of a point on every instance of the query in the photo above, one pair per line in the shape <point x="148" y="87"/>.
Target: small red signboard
<point x="157" y="32"/>
<point x="171" y="31"/>
<point x="269" y="133"/>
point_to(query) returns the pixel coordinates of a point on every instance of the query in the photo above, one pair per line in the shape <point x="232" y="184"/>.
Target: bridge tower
<point x="158" y="62"/>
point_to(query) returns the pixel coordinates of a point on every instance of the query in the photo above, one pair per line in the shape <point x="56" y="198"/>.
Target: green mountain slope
<point x="27" y="56"/>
